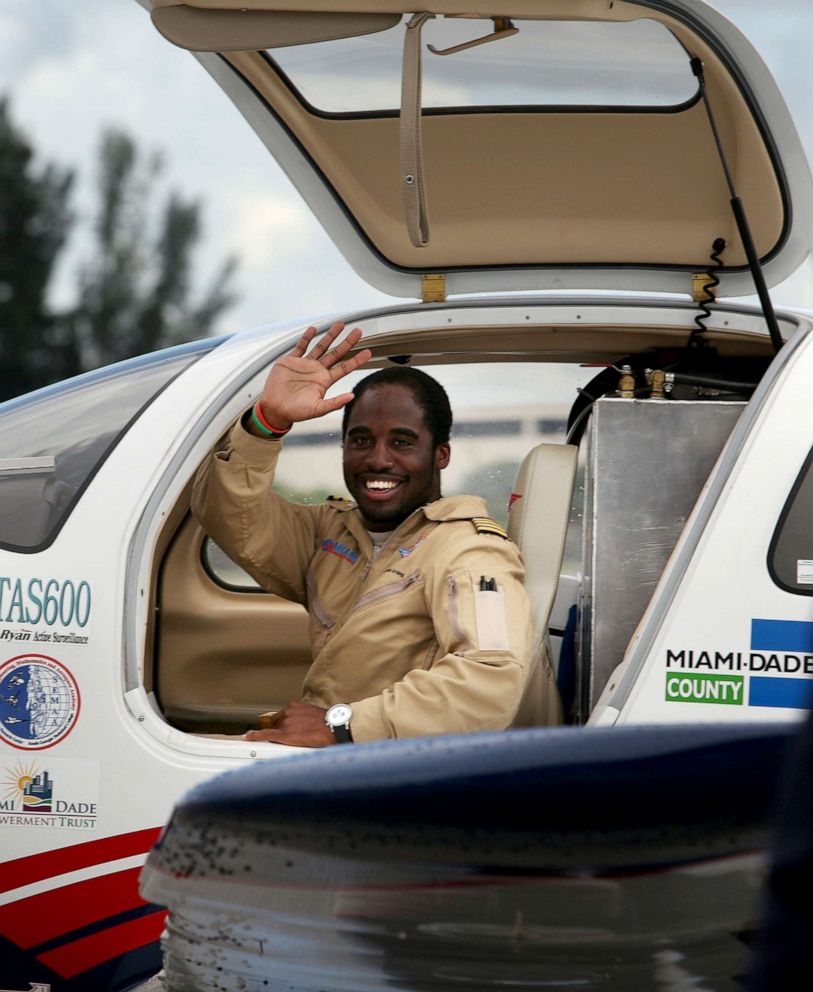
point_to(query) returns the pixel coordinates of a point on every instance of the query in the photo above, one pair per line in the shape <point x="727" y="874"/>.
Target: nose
<point x="379" y="457"/>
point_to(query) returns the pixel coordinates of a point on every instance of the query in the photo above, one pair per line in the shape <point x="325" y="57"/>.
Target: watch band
<point x="342" y="733"/>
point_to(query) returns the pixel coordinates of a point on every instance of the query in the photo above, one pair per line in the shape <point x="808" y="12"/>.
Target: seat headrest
<point x="545" y="471"/>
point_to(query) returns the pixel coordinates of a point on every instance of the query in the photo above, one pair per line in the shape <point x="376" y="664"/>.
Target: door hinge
<point x="703" y="287"/>
<point x="433" y="288"/>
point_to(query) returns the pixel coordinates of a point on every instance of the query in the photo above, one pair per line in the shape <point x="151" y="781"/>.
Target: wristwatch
<point x="338" y="720"/>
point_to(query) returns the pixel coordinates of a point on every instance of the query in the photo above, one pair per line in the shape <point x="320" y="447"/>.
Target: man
<point x="419" y="621"/>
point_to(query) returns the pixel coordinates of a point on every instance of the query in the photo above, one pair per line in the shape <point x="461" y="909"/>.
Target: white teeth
<point x="380" y="484"/>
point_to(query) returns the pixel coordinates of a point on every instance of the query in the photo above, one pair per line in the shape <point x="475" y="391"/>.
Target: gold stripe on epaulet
<point x="485" y="525"/>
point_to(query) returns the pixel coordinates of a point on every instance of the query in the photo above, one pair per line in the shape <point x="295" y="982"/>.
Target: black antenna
<point x="739" y="216"/>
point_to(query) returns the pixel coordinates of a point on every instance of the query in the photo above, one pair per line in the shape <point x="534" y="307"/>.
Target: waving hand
<point x="297" y="383"/>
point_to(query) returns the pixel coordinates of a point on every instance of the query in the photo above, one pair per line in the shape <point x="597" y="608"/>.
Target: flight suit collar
<point x="440" y="511"/>
<point x="456" y="508"/>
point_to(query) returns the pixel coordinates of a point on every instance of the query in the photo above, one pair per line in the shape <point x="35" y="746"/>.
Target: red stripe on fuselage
<point x="87" y="952"/>
<point x="50" y="914"/>
<point x="35" y="867"/>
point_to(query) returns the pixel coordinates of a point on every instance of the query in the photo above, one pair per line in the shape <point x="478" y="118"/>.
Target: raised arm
<point x="232" y="498"/>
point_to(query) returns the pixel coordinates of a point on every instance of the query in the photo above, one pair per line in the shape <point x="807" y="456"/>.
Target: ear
<point x="442" y="455"/>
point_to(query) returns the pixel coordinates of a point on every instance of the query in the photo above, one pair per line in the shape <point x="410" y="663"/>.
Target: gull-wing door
<point x="540" y="144"/>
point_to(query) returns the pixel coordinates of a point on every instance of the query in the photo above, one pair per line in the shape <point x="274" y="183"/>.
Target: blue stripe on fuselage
<point x="782" y="635"/>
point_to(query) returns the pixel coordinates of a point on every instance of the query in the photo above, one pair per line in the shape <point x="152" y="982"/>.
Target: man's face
<point x="391" y="466"/>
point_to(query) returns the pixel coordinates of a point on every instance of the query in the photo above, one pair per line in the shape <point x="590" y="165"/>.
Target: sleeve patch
<point x="492" y="628"/>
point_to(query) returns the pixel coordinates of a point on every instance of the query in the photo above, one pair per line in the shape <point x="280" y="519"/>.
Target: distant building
<point x="481" y="437"/>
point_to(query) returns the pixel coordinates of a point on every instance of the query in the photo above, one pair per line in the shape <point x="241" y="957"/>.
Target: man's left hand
<point x="298" y="724"/>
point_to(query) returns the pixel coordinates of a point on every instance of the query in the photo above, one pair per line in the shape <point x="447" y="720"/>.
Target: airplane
<point x="572" y="208"/>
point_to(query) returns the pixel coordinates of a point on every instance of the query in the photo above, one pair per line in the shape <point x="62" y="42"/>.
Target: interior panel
<point x="222" y="657"/>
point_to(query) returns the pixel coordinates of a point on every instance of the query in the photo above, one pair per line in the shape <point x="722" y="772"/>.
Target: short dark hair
<point x="429" y="394"/>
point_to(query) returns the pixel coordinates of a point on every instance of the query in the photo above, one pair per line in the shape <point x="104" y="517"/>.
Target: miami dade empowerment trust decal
<point x="51" y="793"/>
<point x="39" y="702"/>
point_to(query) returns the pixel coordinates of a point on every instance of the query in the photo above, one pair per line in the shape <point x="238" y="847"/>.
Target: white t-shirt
<point x="379" y="539"/>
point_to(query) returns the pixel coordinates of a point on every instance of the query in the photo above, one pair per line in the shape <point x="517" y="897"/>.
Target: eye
<point x="402" y="442"/>
<point x="360" y="441"/>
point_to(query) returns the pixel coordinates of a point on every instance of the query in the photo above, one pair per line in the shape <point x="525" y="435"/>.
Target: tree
<point x="34" y="222"/>
<point x="135" y="291"/>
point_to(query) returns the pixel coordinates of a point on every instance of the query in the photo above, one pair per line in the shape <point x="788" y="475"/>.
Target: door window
<point x="790" y="558"/>
<point x="575" y="64"/>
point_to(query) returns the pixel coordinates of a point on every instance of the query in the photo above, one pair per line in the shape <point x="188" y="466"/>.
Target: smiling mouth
<point x="380" y="487"/>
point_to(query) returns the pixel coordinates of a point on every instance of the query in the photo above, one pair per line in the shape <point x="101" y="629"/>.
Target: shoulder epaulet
<point x="485" y="525"/>
<point x="337" y="499"/>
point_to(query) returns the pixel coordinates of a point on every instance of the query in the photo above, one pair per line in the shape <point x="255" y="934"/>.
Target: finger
<point x="342" y="348"/>
<point x="269" y="736"/>
<point x="334" y="403"/>
<point x="326" y="340"/>
<point x="301" y="346"/>
<point x="350" y="364"/>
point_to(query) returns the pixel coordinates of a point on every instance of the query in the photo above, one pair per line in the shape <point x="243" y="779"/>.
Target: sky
<point x="71" y="67"/>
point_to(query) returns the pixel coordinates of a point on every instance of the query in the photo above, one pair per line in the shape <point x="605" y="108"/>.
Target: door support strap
<point x="411" y="146"/>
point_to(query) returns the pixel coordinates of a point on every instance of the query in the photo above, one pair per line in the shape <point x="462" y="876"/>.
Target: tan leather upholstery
<point x="537" y="523"/>
<point x="243" y="30"/>
<point x="222" y="657"/>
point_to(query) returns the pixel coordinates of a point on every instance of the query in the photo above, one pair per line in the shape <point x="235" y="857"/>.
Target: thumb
<point x="335" y="403"/>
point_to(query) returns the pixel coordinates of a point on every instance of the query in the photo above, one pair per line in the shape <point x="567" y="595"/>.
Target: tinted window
<point x="547" y="63"/>
<point x="790" y="559"/>
<point x="52" y="442"/>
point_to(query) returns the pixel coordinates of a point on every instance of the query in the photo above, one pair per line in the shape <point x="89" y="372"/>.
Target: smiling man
<point x="419" y="620"/>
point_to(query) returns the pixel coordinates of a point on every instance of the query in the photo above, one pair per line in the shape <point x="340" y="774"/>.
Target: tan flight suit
<point x="407" y="638"/>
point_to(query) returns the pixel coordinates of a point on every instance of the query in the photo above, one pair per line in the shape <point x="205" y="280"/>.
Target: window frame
<point x="776" y="537"/>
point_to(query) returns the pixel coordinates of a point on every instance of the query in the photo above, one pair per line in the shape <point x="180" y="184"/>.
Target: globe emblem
<point x="39" y="702"/>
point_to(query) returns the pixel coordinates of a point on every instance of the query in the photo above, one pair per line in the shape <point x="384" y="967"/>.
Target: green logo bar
<point x="685" y="687"/>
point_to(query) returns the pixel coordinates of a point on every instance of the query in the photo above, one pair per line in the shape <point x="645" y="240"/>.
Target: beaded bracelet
<point x="262" y="424"/>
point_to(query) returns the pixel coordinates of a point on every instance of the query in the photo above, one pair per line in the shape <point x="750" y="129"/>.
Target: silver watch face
<point x="339" y="715"/>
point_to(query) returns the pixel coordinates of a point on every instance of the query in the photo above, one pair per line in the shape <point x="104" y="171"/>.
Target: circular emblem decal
<point x="39" y="702"/>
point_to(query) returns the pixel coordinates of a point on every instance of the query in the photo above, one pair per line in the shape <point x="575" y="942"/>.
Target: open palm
<point x="297" y="383"/>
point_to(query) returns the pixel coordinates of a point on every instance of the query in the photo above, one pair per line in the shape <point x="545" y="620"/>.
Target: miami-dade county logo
<point x="776" y="673"/>
<point x="39" y="702"/>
